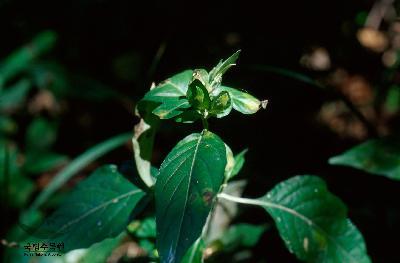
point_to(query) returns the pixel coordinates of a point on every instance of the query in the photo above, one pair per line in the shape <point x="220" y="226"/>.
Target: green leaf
<point x="98" y="208"/>
<point x="190" y="177"/>
<point x="392" y="101"/>
<point x="37" y="163"/>
<point x="21" y="58"/>
<point x="77" y="164"/>
<point x="7" y="126"/>
<point x="149" y="246"/>
<point x="242" y="101"/>
<point x="242" y="235"/>
<point x="221" y="105"/>
<point x="203" y="77"/>
<point x="197" y="95"/>
<point x="97" y="253"/>
<point x="16" y="188"/>
<point x="145" y="228"/>
<point x="100" y="252"/>
<point x="15" y="95"/>
<point x="40" y="135"/>
<point x="377" y="156"/>
<point x="239" y="161"/>
<point x="195" y="252"/>
<point x="230" y="162"/>
<point x="170" y="95"/>
<point x="188" y="116"/>
<point x="312" y="221"/>
<point x="216" y="73"/>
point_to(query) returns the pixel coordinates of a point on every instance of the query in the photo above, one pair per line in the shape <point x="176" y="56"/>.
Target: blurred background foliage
<point x="71" y="72"/>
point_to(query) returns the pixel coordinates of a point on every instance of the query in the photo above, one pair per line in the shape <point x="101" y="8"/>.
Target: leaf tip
<point x="335" y="160"/>
<point x="264" y="104"/>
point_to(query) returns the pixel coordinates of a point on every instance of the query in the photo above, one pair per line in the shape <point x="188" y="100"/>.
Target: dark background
<point x="284" y="140"/>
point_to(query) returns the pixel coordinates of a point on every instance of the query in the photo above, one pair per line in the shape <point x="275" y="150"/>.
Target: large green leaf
<point x="170" y="95"/>
<point x="241" y="101"/>
<point x="377" y="156"/>
<point x="189" y="179"/>
<point x="312" y="221"/>
<point x="98" y="208"/>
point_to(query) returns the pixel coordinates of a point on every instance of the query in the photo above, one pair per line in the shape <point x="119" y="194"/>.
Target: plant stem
<point x="264" y="204"/>
<point x="205" y="123"/>
<point x="240" y="200"/>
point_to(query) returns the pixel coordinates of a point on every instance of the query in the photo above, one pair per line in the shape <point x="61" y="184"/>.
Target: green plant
<point x="195" y="178"/>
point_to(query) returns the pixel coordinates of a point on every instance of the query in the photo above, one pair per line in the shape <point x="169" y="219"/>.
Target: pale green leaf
<point x="230" y="162"/>
<point x="170" y="95"/>
<point x="221" y="105"/>
<point x="142" y="141"/>
<point x="215" y="75"/>
<point x="241" y="100"/>
<point x="239" y="161"/>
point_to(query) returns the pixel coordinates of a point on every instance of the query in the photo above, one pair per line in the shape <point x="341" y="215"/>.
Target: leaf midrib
<point x="267" y="204"/>
<point x="187" y="191"/>
<point x="114" y="200"/>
